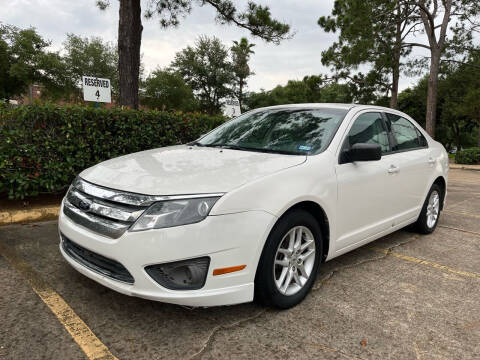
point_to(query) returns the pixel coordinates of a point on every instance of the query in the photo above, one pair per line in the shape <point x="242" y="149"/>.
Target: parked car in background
<point x="253" y="208"/>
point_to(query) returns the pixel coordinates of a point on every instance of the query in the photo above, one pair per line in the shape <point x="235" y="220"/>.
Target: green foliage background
<point x="468" y="156"/>
<point x="43" y="147"/>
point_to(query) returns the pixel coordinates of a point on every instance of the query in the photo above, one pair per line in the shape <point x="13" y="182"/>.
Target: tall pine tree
<point x="255" y="18"/>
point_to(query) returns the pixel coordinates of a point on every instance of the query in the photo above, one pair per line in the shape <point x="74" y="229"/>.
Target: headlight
<point x="170" y="213"/>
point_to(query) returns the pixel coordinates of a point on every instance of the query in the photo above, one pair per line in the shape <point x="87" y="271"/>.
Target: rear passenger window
<point x="369" y="128"/>
<point x="406" y="135"/>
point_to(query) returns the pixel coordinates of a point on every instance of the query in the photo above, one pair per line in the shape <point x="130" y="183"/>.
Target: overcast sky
<point x="272" y="64"/>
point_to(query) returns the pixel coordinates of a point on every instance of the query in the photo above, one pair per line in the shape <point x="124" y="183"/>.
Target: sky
<point x="273" y="64"/>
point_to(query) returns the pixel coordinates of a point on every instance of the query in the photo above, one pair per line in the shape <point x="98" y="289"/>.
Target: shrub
<point x="468" y="156"/>
<point x="43" y="147"/>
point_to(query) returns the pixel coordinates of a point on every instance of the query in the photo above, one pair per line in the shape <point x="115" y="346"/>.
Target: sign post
<point x="96" y="89"/>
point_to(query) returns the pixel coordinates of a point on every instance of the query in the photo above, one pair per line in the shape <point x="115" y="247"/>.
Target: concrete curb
<point x="465" y="167"/>
<point x="9" y="217"/>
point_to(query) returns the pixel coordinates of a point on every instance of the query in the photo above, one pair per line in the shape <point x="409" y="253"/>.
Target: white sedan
<point x="253" y="208"/>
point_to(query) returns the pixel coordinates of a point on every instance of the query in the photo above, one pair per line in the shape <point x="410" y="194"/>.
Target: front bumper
<point x="229" y="240"/>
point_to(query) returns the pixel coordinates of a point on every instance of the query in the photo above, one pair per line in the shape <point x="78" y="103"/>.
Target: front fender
<point x="277" y="192"/>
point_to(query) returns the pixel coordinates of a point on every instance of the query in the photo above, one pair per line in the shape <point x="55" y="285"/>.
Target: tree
<point x="372" y="33"/>
<point x="25" y="61"/>
<point x="375" y="32"/>
<point x="458" y="103"/>
<point x="412" y="101"/>
<point x="309" y="90"/>
<point x="91" y="57"/>
<point x="166" y="90"/>
<point x="255" y="18"/>
<point x="241" y="51"/>
<point x="459" y="100"/>
<point x="5" y="79"/>
<point x="471" y="108"/>
<point x="206" y="68"/>
<point x="458" y="16"/>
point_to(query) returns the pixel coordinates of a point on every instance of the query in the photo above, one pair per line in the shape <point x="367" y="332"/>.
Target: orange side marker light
<point x="227" y="270"/>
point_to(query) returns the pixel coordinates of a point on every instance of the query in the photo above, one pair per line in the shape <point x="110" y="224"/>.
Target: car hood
<point x="183" y="169"/>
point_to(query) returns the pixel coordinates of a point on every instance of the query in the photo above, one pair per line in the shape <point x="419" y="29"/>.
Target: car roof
<point x="311" y="105"/>
<point x="329" y="105"/>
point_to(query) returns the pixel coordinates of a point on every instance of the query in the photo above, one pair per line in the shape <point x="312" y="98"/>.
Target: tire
<point x="268" y="285"/>
<point x="426" y="224"/>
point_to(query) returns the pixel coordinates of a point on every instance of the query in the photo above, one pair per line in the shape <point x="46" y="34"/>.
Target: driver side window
<point x="368" y="128"/>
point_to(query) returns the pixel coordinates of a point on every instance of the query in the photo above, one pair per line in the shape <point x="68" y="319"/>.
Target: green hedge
<point x="43" y="147"/>
<point x="468" y="156"/>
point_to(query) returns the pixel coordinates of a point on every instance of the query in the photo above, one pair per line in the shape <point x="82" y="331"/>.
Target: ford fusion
<point x="253" y="208"/>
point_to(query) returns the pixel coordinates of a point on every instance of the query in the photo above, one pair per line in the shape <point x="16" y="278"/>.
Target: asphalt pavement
<point x="404" y="296"/>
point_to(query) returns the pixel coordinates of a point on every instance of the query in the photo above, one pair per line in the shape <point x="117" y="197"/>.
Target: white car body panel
<point x="186" y="170"/>
<point x="361" y="201"/>
<point x="135" y="250"/>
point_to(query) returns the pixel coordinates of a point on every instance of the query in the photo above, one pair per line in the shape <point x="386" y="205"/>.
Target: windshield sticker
<point x="304" y="147"/>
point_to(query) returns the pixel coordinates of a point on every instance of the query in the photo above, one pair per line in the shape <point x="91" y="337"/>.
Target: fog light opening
<point x="181" y="275"/>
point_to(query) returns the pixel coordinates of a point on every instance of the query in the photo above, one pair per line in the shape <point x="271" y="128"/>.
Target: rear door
<point x="410" y="167"/>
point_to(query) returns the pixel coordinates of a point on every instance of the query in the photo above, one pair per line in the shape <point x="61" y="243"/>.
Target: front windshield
<point x="280" y="130"/>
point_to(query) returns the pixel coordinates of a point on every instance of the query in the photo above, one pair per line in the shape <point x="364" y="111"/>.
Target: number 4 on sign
<point x="97" y="94"/>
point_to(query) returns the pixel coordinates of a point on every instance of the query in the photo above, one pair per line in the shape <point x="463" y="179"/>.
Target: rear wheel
<point x="289" y="260"/>
<point x="428" y="219"/>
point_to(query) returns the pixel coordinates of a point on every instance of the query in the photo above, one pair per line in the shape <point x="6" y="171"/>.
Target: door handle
<point x="393" y="169"/>
<point x="431" y="161"/>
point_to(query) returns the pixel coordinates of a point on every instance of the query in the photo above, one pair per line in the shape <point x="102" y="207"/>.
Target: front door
<point x="365" y="191"/>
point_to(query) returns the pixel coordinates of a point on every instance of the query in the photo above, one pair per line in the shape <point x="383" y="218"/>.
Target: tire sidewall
<point x="422" y="220"/>
<point x="264" y="279"/>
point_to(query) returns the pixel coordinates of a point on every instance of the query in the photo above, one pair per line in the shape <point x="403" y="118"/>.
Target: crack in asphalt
<point x="210" y="339"/>
<point x="317" y="345"/>
<point x="461" y="230"/>
<point x="329" y="275"/>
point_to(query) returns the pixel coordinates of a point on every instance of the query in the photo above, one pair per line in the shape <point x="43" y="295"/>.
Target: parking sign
<point x="231" y="108"/>
<point x="96" y="89"/>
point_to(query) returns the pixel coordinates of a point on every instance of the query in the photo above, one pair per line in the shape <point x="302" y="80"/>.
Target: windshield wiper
<point x="273" y="151"/>
<point x="228" y="146"/>
<point x="222" y="146"/>
<point x="246" y="148"/>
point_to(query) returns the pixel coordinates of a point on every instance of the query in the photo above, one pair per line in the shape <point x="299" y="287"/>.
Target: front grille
<point x="98" y="263"/>
<point x="101" y="210"/>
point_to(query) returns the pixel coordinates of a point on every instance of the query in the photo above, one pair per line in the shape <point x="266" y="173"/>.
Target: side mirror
<point x="362" y="152"/>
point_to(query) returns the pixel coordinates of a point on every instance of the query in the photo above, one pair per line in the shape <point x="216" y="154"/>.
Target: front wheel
<point x="289" y="261"/>
<point x="428" y="219"/>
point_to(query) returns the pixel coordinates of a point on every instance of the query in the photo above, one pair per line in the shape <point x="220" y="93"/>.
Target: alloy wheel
<point x="433" y="209"/>
<point x="294" y="260"/>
